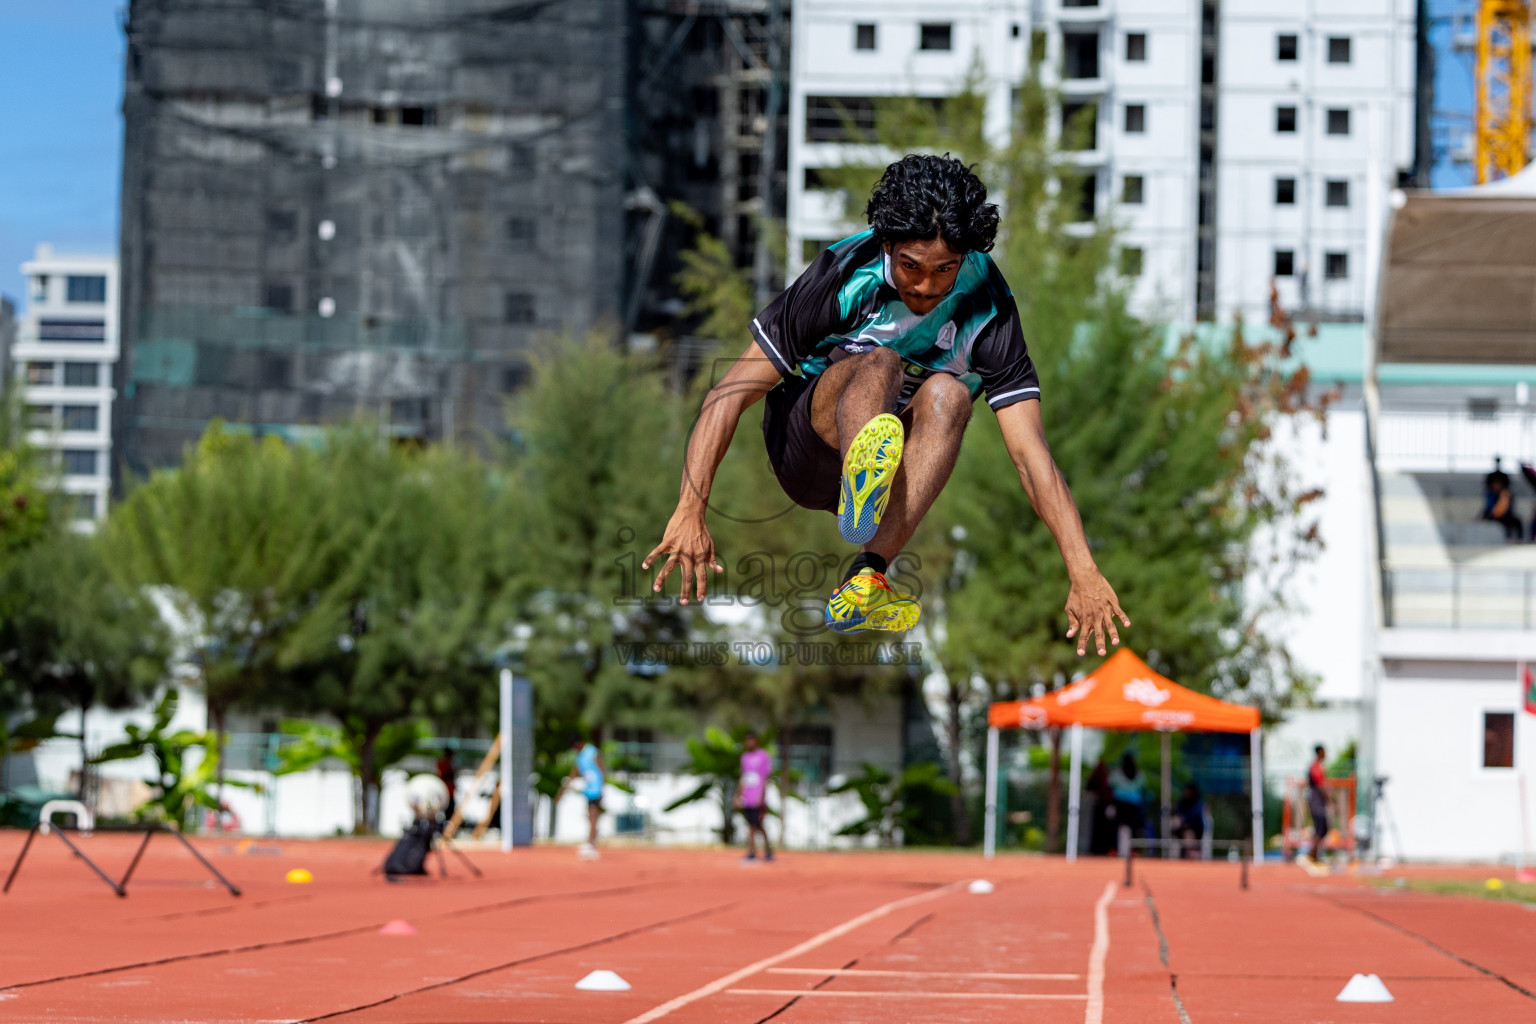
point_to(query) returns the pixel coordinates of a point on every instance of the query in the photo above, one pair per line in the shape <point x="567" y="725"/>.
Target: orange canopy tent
<point x="1123" y="693"/>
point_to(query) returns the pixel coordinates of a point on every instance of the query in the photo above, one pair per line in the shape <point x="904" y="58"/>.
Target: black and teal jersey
<point x="845" y="302"/>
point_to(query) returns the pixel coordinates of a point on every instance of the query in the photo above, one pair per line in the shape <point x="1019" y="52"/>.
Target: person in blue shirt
<point x="589" y="776"/>
<point x="870" y="362"/>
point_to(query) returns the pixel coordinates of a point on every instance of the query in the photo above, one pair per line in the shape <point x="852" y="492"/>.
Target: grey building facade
<point x="337" y="208"/>
<point x="373" y="208"/>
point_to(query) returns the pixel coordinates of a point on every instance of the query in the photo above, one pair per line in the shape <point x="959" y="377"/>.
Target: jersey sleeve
<point x="803" y="315"/>
<point x="1002" y="359"/>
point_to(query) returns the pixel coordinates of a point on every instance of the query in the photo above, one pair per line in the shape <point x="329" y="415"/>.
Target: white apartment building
<point x="66" y="345"/>
<point x="1230" y="143"/>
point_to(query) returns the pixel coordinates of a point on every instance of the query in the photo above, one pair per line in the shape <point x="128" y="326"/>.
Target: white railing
<point x="1454" y="440"/>
<point x="1459" y="597"/>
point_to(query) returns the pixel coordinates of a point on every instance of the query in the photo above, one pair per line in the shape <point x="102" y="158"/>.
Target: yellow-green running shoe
<point x="867" y="601"/>
<point x="867" y="474"/>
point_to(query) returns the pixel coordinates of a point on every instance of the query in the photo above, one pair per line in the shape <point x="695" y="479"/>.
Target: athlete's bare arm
<point x="687" y="542"/>
<point x="1092" y="606"/>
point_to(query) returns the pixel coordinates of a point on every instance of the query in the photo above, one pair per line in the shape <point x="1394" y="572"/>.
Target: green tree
<point x="591" y="469"/>
<point x="234" y="539"/>
<point x="398" y="627"/>
<point x="72" y="636"/>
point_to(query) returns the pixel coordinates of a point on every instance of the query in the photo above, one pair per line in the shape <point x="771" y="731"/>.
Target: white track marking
<point x="817" y="993"/>
<point x="719" y="984"/>
<point x="1094" y="1013"/>
<point x="859" y="973"/>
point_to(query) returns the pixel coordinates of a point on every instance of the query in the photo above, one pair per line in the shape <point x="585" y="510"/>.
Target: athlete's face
<point x="923" y="272"/>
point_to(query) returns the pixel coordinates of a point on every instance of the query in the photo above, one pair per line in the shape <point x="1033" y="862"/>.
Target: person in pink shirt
<point x="752" y="794"/>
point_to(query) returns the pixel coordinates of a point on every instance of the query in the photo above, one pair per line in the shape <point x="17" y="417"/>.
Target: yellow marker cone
<point x="299" y="876"/>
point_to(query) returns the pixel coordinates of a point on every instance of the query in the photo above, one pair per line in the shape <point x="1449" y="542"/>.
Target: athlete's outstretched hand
<point x="1092" y="607"/>
<point x="687" y="543"/>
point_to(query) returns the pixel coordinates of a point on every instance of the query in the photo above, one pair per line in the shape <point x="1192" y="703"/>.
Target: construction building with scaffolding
<point x="344" y="208"/>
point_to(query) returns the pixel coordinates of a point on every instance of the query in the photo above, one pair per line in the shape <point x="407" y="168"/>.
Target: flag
<point x="1528" y="688"/>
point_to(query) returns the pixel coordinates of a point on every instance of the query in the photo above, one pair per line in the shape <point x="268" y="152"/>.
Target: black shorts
<point x="754" y="816"/>
<point x="595" y="801"/>
<point x="809" y="469"/>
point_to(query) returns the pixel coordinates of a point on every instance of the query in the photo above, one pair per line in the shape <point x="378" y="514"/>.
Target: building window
<point x="863" y="37"/>
<point x="1285" y="119"/>
<point x="418" y="117"/>
<point x="1285" y="263"/>
<point x="79" y="462"/>
<point x="80" y="417"/>
<point x="1135" y="118"/>
<point x="82" y="375"/>
<point x="40" y="374"/>
<point x="1336" y="266"/>
<point x="1130" y="262"/>
<point x="1337" y="193"/>
<point x="1131" y="189"/>
<point x="1285" y="47"/>
<point x="519" y="308"/>
<point x="839" y="118"/>
<point x="40" y="288"/>
<point x="279" y="298"/>
<point x="1498" y="739"/>
<point x="1285" y="191"/>
<point x="936" y="37"/>
<point x="91" y="288"/>
<point x="1338" y="49"/>
<point x="520" y="229"/>
<point x="1136" y="46"/>
<point x="524" y="158"/>
<point x="1087" y="196"/>
<point x="282" y="225"/>
<point x="1338" y="122"/>
<point x="1080" y="54"/>
<point x="1079" y="126"/>
<point x="40" y="417"/>
<point x="82" y="506"/>
<point x="83" y="332"/>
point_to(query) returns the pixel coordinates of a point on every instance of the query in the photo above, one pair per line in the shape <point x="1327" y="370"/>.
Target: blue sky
<point x="61" y="73"/>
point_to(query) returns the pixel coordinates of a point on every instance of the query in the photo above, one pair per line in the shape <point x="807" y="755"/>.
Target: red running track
<point x="813" y="938"/>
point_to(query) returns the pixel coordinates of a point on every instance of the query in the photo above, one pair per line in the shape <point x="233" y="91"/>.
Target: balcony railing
<point x="1461" y="597"/>
<point x="1454" y="440"/>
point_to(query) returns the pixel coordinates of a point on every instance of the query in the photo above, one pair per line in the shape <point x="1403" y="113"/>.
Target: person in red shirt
<point x="1317" y="801"/>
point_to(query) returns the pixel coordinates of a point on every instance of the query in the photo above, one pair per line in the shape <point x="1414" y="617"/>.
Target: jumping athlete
<point x="870" y="361"/>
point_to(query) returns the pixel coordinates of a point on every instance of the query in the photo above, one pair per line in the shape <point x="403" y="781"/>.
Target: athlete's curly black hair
<point x="922" y="196"/>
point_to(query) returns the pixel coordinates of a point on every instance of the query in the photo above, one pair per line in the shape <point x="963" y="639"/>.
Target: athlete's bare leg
<point x="935" y="420"/>
<point x="853" y="391"/>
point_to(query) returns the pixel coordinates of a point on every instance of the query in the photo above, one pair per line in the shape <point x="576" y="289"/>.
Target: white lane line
<point x="860" y="973"/>
<point x="1094" y="1013"/>
<point x="658" y="1012"/>
<point x="823" y="993"/>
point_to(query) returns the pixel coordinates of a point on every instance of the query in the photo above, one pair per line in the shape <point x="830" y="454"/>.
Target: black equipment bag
<point x="409" y="857"/>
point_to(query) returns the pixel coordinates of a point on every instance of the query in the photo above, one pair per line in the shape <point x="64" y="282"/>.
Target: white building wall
<point x="42" y="362"/>
<point x="1250" y="154"/>
<point x="1445" y="805"/>
<point x="1377" y="84"/>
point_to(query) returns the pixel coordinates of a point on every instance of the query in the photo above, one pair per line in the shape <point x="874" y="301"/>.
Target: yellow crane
<point x="1503" y="88"/>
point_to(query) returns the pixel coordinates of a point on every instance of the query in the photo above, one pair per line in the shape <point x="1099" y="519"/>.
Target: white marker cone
<point x="1365" y="988"/>
<point x="603" y="981"/>
<point x="397" y="927"/>
<point x="980" y="887"/>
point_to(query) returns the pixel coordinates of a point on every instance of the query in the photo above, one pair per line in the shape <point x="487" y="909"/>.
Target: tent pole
<point x="1167" y="784"/>
<point x="989" y="826"/>
<point x="1074" y="791"/>
<point x="1257" y="784"/>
